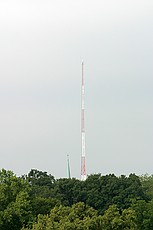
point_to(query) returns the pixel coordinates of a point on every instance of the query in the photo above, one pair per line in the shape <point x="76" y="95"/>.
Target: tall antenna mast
<point x="83" y="159"/>
<point x="68" y="167"/>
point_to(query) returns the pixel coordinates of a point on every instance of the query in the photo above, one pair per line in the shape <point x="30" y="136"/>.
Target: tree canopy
<point x="38" y="201"/>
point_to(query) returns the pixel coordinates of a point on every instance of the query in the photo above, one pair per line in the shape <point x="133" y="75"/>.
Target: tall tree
<point x="15" y="208"/>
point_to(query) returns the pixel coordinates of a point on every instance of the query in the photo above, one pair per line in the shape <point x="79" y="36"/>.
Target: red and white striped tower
<point x="83" y="157"/>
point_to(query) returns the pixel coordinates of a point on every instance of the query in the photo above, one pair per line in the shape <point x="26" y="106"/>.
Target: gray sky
<point x="42" y="43"/>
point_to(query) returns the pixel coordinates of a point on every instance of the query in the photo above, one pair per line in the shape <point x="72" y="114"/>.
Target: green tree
<point x="36" y="177"/>
<point x="69" y="191"/>
<point x="41" y="205"/>
<point x="144" y="212"/>
<point x="82" y="217"/>
<point x="103" y="191"/>
<point x="147" y="184"/>
<point x="77" y="217"/>
<point x="42" y="193"/>
<point x="15" y="208"/>
<point x="116" y="219"/>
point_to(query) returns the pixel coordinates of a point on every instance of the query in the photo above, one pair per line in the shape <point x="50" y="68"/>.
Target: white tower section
<point x="83" y="157"/>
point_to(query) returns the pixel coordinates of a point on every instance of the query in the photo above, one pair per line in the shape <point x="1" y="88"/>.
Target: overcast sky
<point x="42" y="44"/>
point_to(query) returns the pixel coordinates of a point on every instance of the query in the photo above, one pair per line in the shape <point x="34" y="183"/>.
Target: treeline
<point x="38" y="201"/>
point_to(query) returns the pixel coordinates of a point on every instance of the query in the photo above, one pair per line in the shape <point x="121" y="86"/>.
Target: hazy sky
<point x="42" y="44"/>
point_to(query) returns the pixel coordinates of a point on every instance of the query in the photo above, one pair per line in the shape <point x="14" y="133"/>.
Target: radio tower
<point x="83" y="158"/>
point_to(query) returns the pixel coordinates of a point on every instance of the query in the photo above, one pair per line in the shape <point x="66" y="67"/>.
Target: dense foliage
<point x="38" y="201"/>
